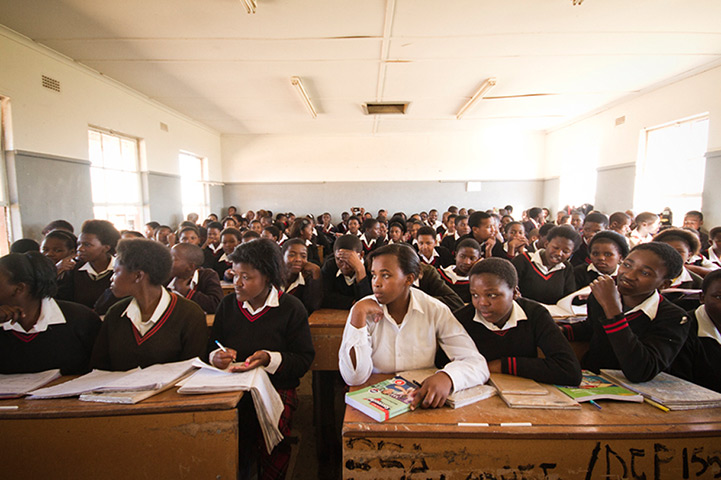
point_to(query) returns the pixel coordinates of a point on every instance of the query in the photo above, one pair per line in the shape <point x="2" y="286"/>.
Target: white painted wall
<point x="53" y="123"/>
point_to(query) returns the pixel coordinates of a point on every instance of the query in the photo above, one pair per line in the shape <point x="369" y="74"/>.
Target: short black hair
<point x="459" y="219"/>
<point x="646" y="217"/>
<point x="694" y="213"/>
<point x="354" y="217"/>
<point x="71" y="242"/>
<point x="619" y="217"/>
<point x="565" y="231"/>
<point x="104" y="230"/>
<point x="709" y="279"/>
<point x="508" y="226"/>
<point x="263" y="255"/>
<point x="188" y="229"/>
<point x="713" y="232"/>
<point x="499" y="267"/>
<point x="426" y="230"/>
<point x="24" y="245"/>
<point x="187" y="223"/>
<point x="468" y="243"/>
<point x="32" y="268"/>
<point x="293" y="241"/>
<point x="191" y="253"/>
<point x="273" y="230"/>
<point x="668" y="255"/>
<point x="152" y="224"/>
<point x="141" y="255"/>
<point x="132" y="233"/>
<point x="249" y="234"/>
<point x="596" y="217"/>
<point x="679" y="234"/>
<point x="216" y="225"/>
<point x="534" y="212"/>
<point x="232" y="231"/>
<point x="348" y="242"/>
<point x="407" y="257"/>
<point x="397" y="224"/>
<point x="609" y="236"/>
<point x="368" y="224"/>
<point x="58" y="225"/>
<point x="476" y="218"/>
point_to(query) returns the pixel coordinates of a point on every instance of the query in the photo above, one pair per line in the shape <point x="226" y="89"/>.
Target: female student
<point x="630" y="326"/>
<point x="261" y="327"/>
<point x="153" y="325"/>
<point x="545" y="275"/>
<point x="429" y="252"/>
<point x="303" y="228"/>
<point x="59" y="246"/>
<point x="229" y="239"/>
<point x="606" y="250"/>
<point x="468" y="252"/>
<point x="687" y="245"/>
<point x="508" y="330"/>
<point x="304" y="278"/>
<point x="39" y="333"/>
<point x="713" y="252"/>
<point x="399" y="327"/>
<point x="192" y="281"/>
<point x="396" y="232"/>
<point x="515" y="241"/>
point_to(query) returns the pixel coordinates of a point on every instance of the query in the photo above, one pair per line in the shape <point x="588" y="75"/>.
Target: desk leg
<point x="328" y="410"/>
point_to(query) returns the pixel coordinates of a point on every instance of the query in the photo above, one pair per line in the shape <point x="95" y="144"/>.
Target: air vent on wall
<point x="385" y="108"/>
<point x="620" y="120"/>
<point x="51" y="83"/>
<point x="163" y="127"/>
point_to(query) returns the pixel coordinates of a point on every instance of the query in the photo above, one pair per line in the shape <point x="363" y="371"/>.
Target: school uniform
<point x="707" y="259"/>
<point x="211" y="254"/>
<point x="205" y="289"/>
<point x="431" y="283"/>
<point x="529" y="225"/>
<point x="176" y="331"/>
<point x="635" y="238"/>
<point x="342" y="228"/>
<point x="687" y="280"/>
<point x="450" y="241"/>
<point x="340" y="291"/>
<point x="642" y="341"/>
<point x="63" y="337"/>
<point x="516" y="344"/>
<point x="455" y="282"/>
<point x="87" y="287"/>
<point x="533" y="247"/>
<point x="313" y="255"/>
<point x="581" y="255"/>
<point x="387" y="347"/>
<point x="482" y="244"/>
<point x="539" y="283"/>
<point x="585" y="274"/>
<point x="699" y="361"/>
<point x="370" y="244"/>
<point x="441" y="258"/>
<point x="222" y="265"/>
<point x="308" y="290"/>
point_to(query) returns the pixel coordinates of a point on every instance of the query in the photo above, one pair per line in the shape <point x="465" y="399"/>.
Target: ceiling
<point x="231" y="70"/>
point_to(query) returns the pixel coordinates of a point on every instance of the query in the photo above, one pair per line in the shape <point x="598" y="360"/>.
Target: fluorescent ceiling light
<point x="249" y="5"/>
<point x="485" y="87"/>
<point x="298" y="85"/>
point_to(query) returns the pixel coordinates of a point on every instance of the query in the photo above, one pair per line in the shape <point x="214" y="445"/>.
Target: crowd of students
<point x="470" y="282"/>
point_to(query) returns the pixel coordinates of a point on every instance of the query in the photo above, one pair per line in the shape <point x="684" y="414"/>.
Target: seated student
<point x="24" y="245"/>
<point x="545" y="275"/>
<point x="630" y="326"/>
<point x="39" y="333"/>
<point x="508" y="330"/>
<point x="190" y="235"/>
<point x="213" y="249"/>
<point x="396" y="231"/>
<point x="229" y="222"/>
<point x="483" y="231"/>
<point x="429" y="281"/>
<point x="152" y="325"/>
<point x="535" y="219"/>
<point x="59" y="246"/>
<point x="412" y="233"/>
<point x="461" y="229"/>
<point x="256" y="225"/>
<point x="436" y="256"/>
<point x="541" y="241"/>
<point x="448" y="227"/>
<point x="647" y="225"/>
<point x="592" y="224"/>
<point x="399" y="328"/>
<point x="150" y="228"/>
<point x="700" y="358"/>
<point x="344" y="275"/>
<point x="342" y="227"/>
<point x="164" y="234"/>
<point x="713" y="252"/>
<point x="514" y="241"/>
<point x="620" y="223"/>
<point x="271" y="232"/>
<point x="189" y="279"/>
<point x="229" y="239"/>
<point x="128" y="234"/>
<point x="371" y="237"/>
<point x="88" y="282"/>
<point x="577" y="219"/>
<point x="456" y="276"/>
<point x="694" y="220"/>
<point x="304" y="229"/>
<point x="354" y="225"/>
<point x="607" y="250"/>
<point x="304" y="278"/>
<point x="262" y="328"/>
<point x="249" y="236"/>
<point x="687" y="245"/>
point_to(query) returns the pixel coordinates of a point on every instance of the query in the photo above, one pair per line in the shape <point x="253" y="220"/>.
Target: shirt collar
<point x="454" y="277"/>
<point x="308" y="243"/>
<point x="712" y="256"/>
<point x="215" y="248"/>
<point x="224" y="258"/>
<point x="648" y="306"/>
<point x="414" y="305"/>
<point x="91" y="271"/>
<point x="684" y="277"/>
<point x="370" y="243"/>
<point x="50" y="314"/>
<point x="456" y="236"/>
<point x="296" y="283"/>
<point x="191" y="285"/>
<point x="429" y="260"/>
<point x="592" y="268"/>
<point x="538" y="261"/>
<point x="270" y="301"/>
<point x="706" y="327"/>
<point x="517" y="315"/>
<point x="136" y="317"/>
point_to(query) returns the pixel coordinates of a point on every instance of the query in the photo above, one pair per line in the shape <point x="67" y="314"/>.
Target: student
<point x="164" y="234"/>
<point x="700" y="358"/>
<point x="303" y="228"/>
<point x="647" y="224"/>
<point x="24" y="245"/>
<point x="430" y="254"/>
<point x="128" y="234"/>
<point x="592" y="224"/>
<point x="545" y="275"/>
<point x="371" y="235"/>
<point x="448" y="227"/>
<point x="694" y="220"/>
<point x="249" y="236"/>
<point x="344" y="274"/>
<point x="456" y="276"/>
<point x="607" y="250"/>
<point x="39" y="333"/>
<point x="263" y="328"/>
<point x="399" y="328"/>
<point x="541" y="241"/>
<point x="630" y="326"/>
<point x="535" y="219"/>
<point x="509" y="330"/>
<point x="577" y="219"/>
<point x="304" y="279"/>
<point x="354" y="225"/>
<point x="396" y="231"/>
<point x="687" y="245"/>
<point x="713" y="252"/>
<point x="620" y="223"/>
<point x="59" y="246"/>
<point x="412" y="234"/>
<point x="189" y="279"/>
<point x="213" y="249"/>
<point x="87" y="283"/>
<point x="483" y="231"/>
<point x="150" y="229"/>
<point x="190" y="235"/>
<point x="462" y="229"/>
<point x="152" y="325"/>
<point x="515" y="241"/>
<point x="256" y="226"/>
<point x="342" y="227"/>
<point x="229" y="239"/>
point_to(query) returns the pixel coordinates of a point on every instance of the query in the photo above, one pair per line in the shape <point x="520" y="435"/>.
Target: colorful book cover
<point x="595" y="387"/>
<point x="385" y="399"/>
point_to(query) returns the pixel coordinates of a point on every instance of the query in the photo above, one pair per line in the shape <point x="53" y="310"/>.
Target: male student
<point x="535" y="217"/>
<point x="462" y="229"/>
<point x="592" y="224"/>
<point x="344" y="275"/>
<point x="694" y="219"/>
<point x="483" y="231"/>
<point x="647" y="224"/>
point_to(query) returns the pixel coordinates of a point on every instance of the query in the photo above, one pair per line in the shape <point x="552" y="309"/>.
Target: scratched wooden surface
<point x="326" y="330"/>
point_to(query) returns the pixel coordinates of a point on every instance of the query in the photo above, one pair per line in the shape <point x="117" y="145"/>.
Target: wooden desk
<point x="166" y="436"/>
<point x="326" y="330"/>
<point x="227" y="287"/>
<point x="623" y="440"/>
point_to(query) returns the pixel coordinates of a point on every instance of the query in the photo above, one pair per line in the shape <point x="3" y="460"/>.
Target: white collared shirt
<point x="215" y="249"/>
<point x="387" y="347"/>
<point x="191" y="285"/>
<point x="366" y="242"/>
<point x="592" y="268"/>
<point x="517" y="315"/>
<point x="223" y="258"/>
<point x="684" y="277"/>
<point x="348" y="280"/>
<point x="635" y="238"/>
<point x="50" y="314"/>
<point x="713" y="257"/>
<point x="136" y="317"/>
<point x="705" y="262"/>
<point x="452" y="275"/>
<point x="95" y="275"/>
<point x="538" y="261"/>
<point x="706" y="327"/>
<point x="296" y="283"/>
<point x="648" y="306"/>
<point x="424" y="259"/>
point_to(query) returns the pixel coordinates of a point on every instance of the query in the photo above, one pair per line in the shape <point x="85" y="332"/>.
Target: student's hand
<point x="517" y="245"/>
<point x="311" y="270"/>
<point x="605" y="291"/>
<point x="494" y="366"/>
<point x="222" y="359"/>
<point x="433" y="392"/>
<point x="11" y="313"/>
<point x="353" y="259"/>
<point x="258" y="359"/>
<point x="172" y="240"/>
<point x="489" y="244"/>
<point x="182" y="285"/>
<point x="65" y="265"/>
<point x="229" y="275"/>
<point x="365" y="311"/>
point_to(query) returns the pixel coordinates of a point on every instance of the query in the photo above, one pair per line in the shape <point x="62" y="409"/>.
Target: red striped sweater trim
<point x="141" y="338"/>
<point x="568" y="330"/>
<point x="621" y="324"/>
<point x="191" y="293"/>
<point x="448" y="279"/>
<point x="25" y="337"/>
<point x="512" y="367"/>
<point x="252" y="318"/>
<point x="535" y="268"/>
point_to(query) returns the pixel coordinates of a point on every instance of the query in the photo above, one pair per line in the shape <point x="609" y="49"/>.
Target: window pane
<point x="97" y="180"/>
<point x="96" y="149"/>
<point x="129" y="150"/>
<point x="111" y="152"/>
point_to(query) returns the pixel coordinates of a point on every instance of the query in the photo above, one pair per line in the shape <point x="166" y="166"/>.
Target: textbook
<point x="595" y="387"/>
<point x="77" y="386"/>
<point x="565" y="310"/>
<point x="519" y="392"/>
<point x="383" y="400"/>
<point x="19" y="384"/>
<point x="457" y="399"/>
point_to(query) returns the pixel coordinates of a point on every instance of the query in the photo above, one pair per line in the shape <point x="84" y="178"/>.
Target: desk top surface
<point x="169" y="401"/>
<point x="328" y="317"/>
<point x="615" y="419"/>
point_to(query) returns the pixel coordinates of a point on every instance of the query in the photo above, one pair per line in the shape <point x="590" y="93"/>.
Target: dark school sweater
<point x="544" y="288"/>
<point x="581" y="255"/>
<point x="282" y="329"/>
<point x="640" y="346"/>
<point x="336" y="292"/>
<point x="461" y="287"/>
<point x="583" y="275"/>
<point x="430" y="282"/>
<point x="699" y="361"/>
<point x="207" y="293"/>
<point x="517" y="347"/>
<point x="77" y="286"/>
<point x="180" y="334"/>
<point x="65" y="346"/>
<point x="310" y="294"/>
<point x="443" y="259"/>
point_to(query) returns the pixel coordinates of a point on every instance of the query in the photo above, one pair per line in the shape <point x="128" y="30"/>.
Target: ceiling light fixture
<point x="298" y="85"/>
<point x="249" y="5"/>
<point x="485" y="87"/>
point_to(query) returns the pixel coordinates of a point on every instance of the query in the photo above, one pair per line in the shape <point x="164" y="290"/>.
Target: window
<point x="670" y="171"/>
<point x="115" y="179"/>
<point x="194" y="177"/>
